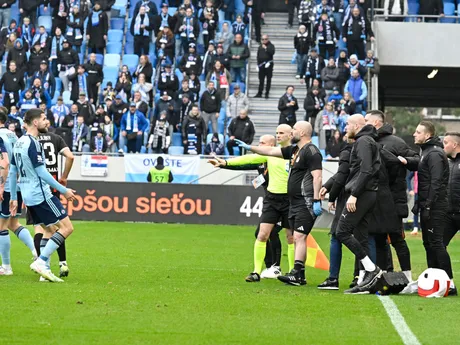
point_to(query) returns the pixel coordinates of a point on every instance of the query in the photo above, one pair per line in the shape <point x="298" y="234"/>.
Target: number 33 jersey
<point x="53" y="145"/>
<point x="28" y="154"/>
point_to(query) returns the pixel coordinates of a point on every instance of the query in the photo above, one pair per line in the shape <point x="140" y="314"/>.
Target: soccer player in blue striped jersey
<point x="28" y="163"/>
<point x="7" y="140"/>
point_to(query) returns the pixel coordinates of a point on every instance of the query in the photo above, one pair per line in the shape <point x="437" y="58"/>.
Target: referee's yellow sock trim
<point x="259" y="255"/>
<point x="291" y="256"/>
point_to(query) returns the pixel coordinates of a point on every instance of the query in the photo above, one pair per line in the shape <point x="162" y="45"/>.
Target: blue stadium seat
<point x="449" y="10"/>
<point x="121" y="6"/>
<point x="129" y="48"/>
<point x="176" y="139"/>
<point x="46" y="21"/>
<point x="100" y="59"/>
<point x="80" y="57"/>
<point x="412" y="9"/>
<point x="14" y="14"/>
<point x="115" y="35"/>
<point x="58" y="84"/>
<point x="315" y="140"/>
<point x="176" y="150"/>
<point x="179" y="75"/>
<point x="42" y="12"/>
<point x="158" y="3"/>
<point x="202" y="88"/>
<point x="171" y="10"/>
<point x="113" y="48"/>
<point x="131" y="9"/>
<point x="66" y="98"/>
<point x="112" y="60"/>
<point x="111" y="74"/>
<point x="220" y="127"/>
<point x="117" y="23"/>
<point x="131" y="60"/>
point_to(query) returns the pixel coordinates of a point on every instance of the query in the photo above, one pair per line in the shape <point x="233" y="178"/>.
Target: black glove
<point x="415" y="210"/>
<point x="426" y="213"/>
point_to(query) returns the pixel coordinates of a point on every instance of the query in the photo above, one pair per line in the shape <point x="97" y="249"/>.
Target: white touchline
<point x="398" y="321"/>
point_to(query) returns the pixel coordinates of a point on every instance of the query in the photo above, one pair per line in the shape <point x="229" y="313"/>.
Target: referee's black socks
<point x="299" y="266"/>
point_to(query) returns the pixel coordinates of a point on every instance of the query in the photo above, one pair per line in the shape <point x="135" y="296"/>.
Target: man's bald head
<point x="354" y="125"/>
<point x="267" y="140"/>
<point x="301" y="132"/>
<point x="283" y="134"/>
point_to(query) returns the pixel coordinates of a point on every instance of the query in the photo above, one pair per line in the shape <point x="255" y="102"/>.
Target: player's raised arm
<point x="261" y="150"/>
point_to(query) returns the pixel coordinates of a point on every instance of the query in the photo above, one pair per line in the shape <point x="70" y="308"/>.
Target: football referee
<point x="304" y="184"/>
<point x="276" y="201"/>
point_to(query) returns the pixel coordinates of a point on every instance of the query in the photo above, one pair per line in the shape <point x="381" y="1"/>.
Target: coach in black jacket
<point x="265" y="63"/>
<point x="210" y="104"/>
<point x="362" y="184"/>
<point x="433" y="177"/>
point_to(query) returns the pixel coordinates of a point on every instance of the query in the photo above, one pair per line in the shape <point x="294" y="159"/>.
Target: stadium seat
<point x="117" y="23"/>
<point x="176" y="139"/>
<point x="176" y="150"/>
<point x="131" y="60"/>
<point x="220" y="127"/>
<point x="129" y="48"/>
<point x="315" y="140"/>
<point x="172" y="10"/>
<point x="179" y="75"/>
<point x="449" y="10"/>
<point x="58" y="84"/>
<point x="42" y="12"/>
<point x="99" y="59"/>
<point x="46" y="21"/>
<point x="115" y="35"/>
<point x="202" y="87"/>
<point x="66" y="98"/>
<point x="112" y="60"/>
<point x="113" y="48"/>
<point x="14" y="14"/>
<point x="412" y="9"/>
<point x="111" y="74"/>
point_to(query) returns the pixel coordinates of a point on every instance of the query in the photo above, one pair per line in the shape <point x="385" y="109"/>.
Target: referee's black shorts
<point x="29" y="220"/>
<point x="276" y="209"/>
<point x="302" y="217"/>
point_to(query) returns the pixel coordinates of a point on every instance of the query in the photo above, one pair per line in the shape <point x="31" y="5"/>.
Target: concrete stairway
<point x="264" y="112"/>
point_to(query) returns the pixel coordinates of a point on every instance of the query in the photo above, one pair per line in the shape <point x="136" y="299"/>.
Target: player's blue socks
<point x="25" y="237"/>
<point x="5" y="246"/>
<point x="55" y="241"/>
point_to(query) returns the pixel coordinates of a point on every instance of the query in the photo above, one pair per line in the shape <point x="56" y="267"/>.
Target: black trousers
<point x="92" y="91"/>
<point x="59" y="22"/>
<point x="292" y="4"/>
<point x="32" y="15"/>
<point x="353" y="228"/>
<point x="452" y="226"/>
<point x="230" y="145"/>
<point x="265" y="73"/>
<point x="256" y="20"/>
<point x="399" y="244"/>
<point x="433" y="226"/>
<point x="141" y="45"/>
<point x="356" y="47"/>
<point x="273" y="252"/>
<point x="329" y="48"/>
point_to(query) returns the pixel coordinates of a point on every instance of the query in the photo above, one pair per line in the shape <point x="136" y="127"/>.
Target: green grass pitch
<point x="184" y="284"/>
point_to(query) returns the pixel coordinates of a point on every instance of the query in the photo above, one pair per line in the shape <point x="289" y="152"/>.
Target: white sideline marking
<point x="398" y="321"/>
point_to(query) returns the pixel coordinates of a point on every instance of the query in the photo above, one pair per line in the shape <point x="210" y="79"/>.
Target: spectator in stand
<point x="185" y="89"/>
<point x="18" y="54"/>
<point x="395" y="8"/>
<point x="67" y="62"/>
<point x="168" y="81"/>
<point x="42" y="37"/>
<point x="56" y="47"/>
<point x="142" y="106"/>
<point x="191" y="62"/>
<point x="163" y="19"/>
<point x="178" y="18"/>
<point x="27" y="31"/>
<point x="432" y="8"/>
<point x="291" y="6"/>
<point x="210" y="104"/>
<point x="159" y="137"/>
<point x="225" y="37"/>
<point x="144" y="88"/>
<point x="28" y="8"/>
<point x="194" y="124"/>
<point x="98" y="119"/>
<point x="209" y="58"/>
<point x="222" y="80"/>
<point x="237" y="102"/>
<point x="80" y="132"/>
<point x="109" y="92"/>
<point x="209" y="18"/>
<point x="335" y="98"/>
<point x="194" y="83"/>
<point x="116" y="111"/>
<point x="306" y="13"/>
<point x="342" y="121"/>
<point x="26" y="101"/>
<point x="265" y="64"/>
<point x="46" y="78"/>
<point x="348" y="104"/>
<point x="184" y="109"/>
<point x="214" y="147"/>
<point x="222" y="57"/>
<point x="71" y="119"/>
<point x="111" y="134"/>
<point x="358" y="90"/>
<point x="40" y="93"/>
<point x="355" y="31"/>
<point x="337" y="12"/>
<point x="326" y="35"/>
<point x="60" y="111"/>
<point x="257" y="12"/>
<point x="325" y="125"/>
<point x="238" y="26"/>
<point x="348" y="11"/>
<point x="7" y="37"/>
<point x="166" y="42"/>
<point x="325" y="7"/>
<point x="141" y="28"/>
<point x="79" y="83"/>
<point x="288" y="106"/>
<point x="59" y="14"/>
<point x="86" y="109"/>
<point x="238" y="54"/>
<point x="95" y="77"/>
<point x="229" y="9"/>
<point x="302" y="44"/>
<point x="99" y="142"/>
<point x="313" y="104"/>
<point x="133" y="127"/>
<point x="334" y="145"/>
<point x="16" y="120"/>
<point x="144" y="67"/>
<point x="372" y="63"/>
<point x="123" y="87"/>
<point x="188" y="29"/>
<point x="75" y="28"/>
<point x="37" y="55"/>
<point x="97" y="29"/>
<point x="355" y="64"/>
<point x="49" y="115"/>
<point x="164" y="103"/>
<point x="344" y="68"/>
<point x="315" y="65"/>
<point x="330" y="76"/>
<point x="241" y="128"/>
<point x="12" y="82"/>
<point x="5" y="12"/>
